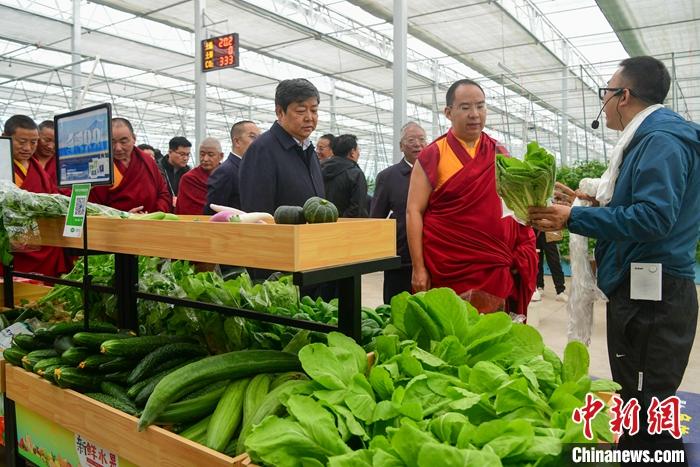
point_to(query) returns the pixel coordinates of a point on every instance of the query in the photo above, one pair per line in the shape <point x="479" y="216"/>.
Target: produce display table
<point x="54" y="422"/>
<point x="313" y="253"/>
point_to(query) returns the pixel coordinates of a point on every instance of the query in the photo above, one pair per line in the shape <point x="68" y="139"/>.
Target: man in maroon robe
<point x="192" y="193"/>
<point x="30" y="176"/>
<point x="456" y="233"/>
<point x="138" y="184"/>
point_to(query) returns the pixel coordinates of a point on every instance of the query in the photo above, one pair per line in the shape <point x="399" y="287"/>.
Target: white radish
<point x="220" y="208"/>
<point x="253" y="218"/>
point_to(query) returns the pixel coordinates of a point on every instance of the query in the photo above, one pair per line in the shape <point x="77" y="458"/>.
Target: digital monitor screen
<point x="84" y="146"/>
<point x="6" y="170"/>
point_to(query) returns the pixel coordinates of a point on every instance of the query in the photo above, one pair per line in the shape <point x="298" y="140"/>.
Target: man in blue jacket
<point x="648" y="212"/>
<point x="281" y="166"/>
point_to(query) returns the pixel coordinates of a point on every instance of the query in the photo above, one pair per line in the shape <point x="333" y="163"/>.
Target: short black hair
<point x="179" y="142"/>
<point x="46" y="124"/>
<point x="343" y="145"/>
<point x="294" y="90"/>
<point x="648" y="78"/>
<point x="18" y="121"/>
<point x="125" y="122"/>
<point x="147" y="146"/>
<point x="237" y="127"/>
<point x="330" y="137"/>
<point x="450" y="96"/>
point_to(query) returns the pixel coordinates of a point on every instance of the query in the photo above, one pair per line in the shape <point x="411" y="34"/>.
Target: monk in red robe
<point x="456" y="233"/>
<point x="138" y="184"/>
<point x="192" y="193"/>
<point x="30" y="176"/>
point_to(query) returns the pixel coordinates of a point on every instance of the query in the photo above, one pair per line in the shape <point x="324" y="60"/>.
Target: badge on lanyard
<point x="645" y="281"/>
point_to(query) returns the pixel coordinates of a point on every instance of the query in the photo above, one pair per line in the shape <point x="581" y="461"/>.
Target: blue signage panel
<point x="84" y="146"/>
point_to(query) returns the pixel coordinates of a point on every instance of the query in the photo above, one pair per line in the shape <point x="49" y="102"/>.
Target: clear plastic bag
<point x="484" y="302"/>
<point x="584" y="291"/>
<point x="21" y="208"/>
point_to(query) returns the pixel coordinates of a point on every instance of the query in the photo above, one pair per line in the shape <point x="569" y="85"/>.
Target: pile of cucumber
<point x="169" y="381"/>
<point x="117" y="368"/>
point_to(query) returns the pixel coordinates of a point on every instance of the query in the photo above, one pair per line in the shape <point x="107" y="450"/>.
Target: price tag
<point x="76" y="211"/>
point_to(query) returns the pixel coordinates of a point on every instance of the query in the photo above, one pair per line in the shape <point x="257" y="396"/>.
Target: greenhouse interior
<point x="349" y="232"/>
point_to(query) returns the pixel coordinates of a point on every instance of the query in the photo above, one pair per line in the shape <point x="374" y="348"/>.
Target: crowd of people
<point x="450" y="227"/>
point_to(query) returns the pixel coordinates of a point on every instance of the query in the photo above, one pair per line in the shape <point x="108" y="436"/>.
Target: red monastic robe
<point x="139" y="184"/>
<point x="467" y="244"/>
<point x="192" y="193"/>
<point x="50" y="169"/>
<point x="48" y="260"/>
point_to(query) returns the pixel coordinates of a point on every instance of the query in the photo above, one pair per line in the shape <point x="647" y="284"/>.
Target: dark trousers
<point x="649" y="345"/>
<point x="550" y="250"/>
<point x="397" y="281"/>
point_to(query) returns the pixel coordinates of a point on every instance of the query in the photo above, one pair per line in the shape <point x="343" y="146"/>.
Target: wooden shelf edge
<point x="109" y="427"/>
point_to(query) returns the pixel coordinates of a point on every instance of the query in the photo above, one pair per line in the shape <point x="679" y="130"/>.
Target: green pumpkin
<point x="290" y="215"/>
<point x="318" y="210"/>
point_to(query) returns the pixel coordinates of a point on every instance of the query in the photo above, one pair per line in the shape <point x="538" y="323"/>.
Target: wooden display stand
<point x="110" y="428"/>
<point x="289" y="248"/>
<point x="314" y="253"/>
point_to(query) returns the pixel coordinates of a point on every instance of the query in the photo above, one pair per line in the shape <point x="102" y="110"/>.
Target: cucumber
<point x="118" y="364"/>
<point x="49" y="373"/>
<point x="272" y="405"/>
<point x="73" y="378"/>
<point x="14" y="355"/>
<point x="33" y="357"/>
<point x="232" y="365"/>
<point x="75" y="355"/>
<point x="227" y="415"/>
<point x="284" y="377"/>
<point x="93" y="362"/>
<point x="142" y="390"/>
<point x="116" y="377"/>
<point x="94" y="340"/>
<point x="198" y="431"/>
<point x="162" y="355"/>
<point x="207" y="389"/>
<point x="70" y="328"/>
<point x="114" y="402"/>
<point x="192" y="409"/>
<point x="254" y="394"/>
<point x="62" y="343"/>
<point x="41" y="365"/>
<point x="135" y="347"/>
<point x="116" y="391"/>
<point x="29" y="343"/>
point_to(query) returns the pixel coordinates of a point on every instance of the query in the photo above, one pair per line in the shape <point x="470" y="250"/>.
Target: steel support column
<point x="200" y="80"/>
<point x="400" y="72"/>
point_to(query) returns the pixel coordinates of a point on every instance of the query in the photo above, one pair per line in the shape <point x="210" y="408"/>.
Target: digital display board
<point x="6" y="169"/>
<point x="84" y="146"/>
<point x="220" y="52"/>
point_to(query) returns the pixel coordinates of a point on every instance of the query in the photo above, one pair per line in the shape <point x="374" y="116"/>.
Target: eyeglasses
<point x="603" y="91"/>
<point x="415" y="140"/>
<point x="186" y="155"/>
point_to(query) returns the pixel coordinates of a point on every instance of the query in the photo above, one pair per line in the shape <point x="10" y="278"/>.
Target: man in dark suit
<point x="390" y="194"/>
<point x="223" y="182"/>
<point x="281" y="166"/>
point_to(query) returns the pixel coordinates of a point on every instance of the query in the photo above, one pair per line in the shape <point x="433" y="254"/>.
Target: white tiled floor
<point x="550" y="318"/>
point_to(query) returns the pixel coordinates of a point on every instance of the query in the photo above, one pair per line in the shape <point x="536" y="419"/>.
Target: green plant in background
<point x="571" y="177"/>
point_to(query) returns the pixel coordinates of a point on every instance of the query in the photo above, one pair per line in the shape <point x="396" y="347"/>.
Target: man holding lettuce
<point x="457" y="234"/>
<point x="646" y="218"/>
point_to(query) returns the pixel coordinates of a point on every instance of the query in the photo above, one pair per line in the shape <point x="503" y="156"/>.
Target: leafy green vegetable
<point x="526" y="183"/>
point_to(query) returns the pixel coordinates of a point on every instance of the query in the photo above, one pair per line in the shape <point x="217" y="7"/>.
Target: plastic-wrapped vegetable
<point x="529" y="182"/>
<point x="21" y="208"/>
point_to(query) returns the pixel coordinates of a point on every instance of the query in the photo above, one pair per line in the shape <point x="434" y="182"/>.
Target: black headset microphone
<point x="596" y="123"/>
